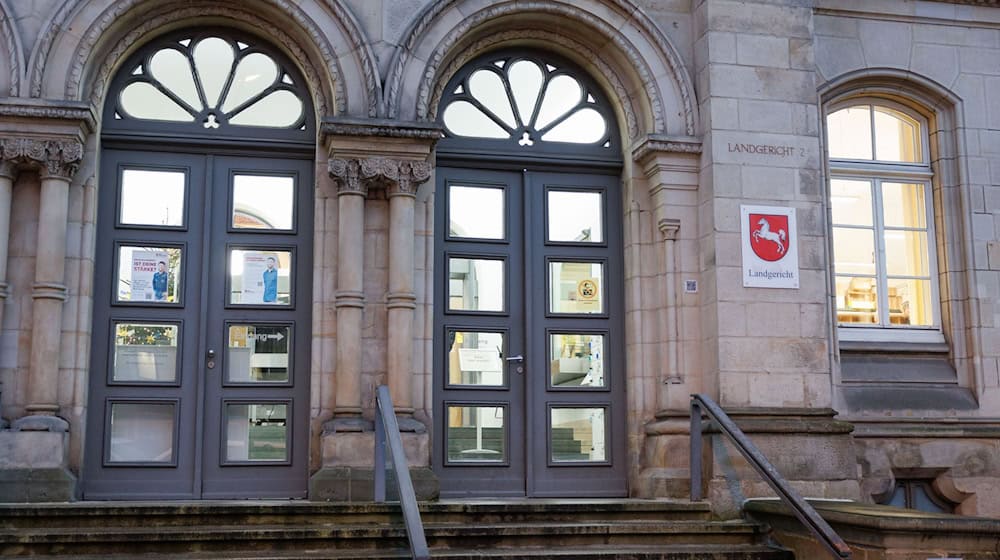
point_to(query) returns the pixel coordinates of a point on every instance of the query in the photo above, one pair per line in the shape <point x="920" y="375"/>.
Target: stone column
<point x="401" y="299"/>
<point x="350" y="299"/>
<point x="669" y="228"/>
<point x="57" y="161"/>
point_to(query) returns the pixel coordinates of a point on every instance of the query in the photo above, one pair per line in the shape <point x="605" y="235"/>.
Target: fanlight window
<point x="525" y="100"/>
<point x="214" y="81"/>
<point x="873" y="132"/>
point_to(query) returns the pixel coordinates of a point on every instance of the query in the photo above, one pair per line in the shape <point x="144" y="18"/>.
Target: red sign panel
<point x="769" y="237"/>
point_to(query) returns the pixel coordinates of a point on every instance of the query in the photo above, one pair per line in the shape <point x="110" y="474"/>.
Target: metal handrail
<point x="801" y="508"/>
<point x="387" y="430"/>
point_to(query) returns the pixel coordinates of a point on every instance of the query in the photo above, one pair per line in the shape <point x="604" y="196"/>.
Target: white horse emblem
<point x="765" y="233"/>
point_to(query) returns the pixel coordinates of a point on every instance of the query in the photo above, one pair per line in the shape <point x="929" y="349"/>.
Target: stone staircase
<point x="508" y="529"/>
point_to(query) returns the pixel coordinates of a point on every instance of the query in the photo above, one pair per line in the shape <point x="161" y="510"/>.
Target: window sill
<point x="892" y="340"/>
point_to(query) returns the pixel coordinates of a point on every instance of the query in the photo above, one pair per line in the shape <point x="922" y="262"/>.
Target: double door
<point x="199" y="379"/>
<point x="529" y="380"/>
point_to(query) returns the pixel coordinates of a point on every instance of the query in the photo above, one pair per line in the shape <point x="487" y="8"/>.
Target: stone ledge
<point x="877" y="532"/>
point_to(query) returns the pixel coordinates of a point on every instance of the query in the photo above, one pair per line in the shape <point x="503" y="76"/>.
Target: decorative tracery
<point x="526" y="100"/>
<point x="212" y="80"/>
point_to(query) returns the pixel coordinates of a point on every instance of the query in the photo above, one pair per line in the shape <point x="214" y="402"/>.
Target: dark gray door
<point x="529" y="384"/>
<point x="200" y="352"/>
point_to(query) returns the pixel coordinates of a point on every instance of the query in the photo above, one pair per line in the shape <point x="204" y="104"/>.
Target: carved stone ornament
<point x="395" y="177"/>
<point x="53" y="158"/>
<point x="347" y="173"/>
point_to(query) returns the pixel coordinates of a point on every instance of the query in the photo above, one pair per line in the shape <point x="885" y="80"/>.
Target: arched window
<point x="528" y="104"/>
<point x="882" y="219"/>
<point x="210" y="83"/>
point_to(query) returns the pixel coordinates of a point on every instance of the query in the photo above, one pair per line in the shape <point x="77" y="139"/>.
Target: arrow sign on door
<point x="264" y="337"/>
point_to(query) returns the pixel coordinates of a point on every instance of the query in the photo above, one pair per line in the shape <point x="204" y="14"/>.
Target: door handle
<point x="210" y="359"/>
<point x="520" y="362"/>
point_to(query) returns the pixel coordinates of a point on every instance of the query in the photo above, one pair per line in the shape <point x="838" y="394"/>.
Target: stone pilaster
<point x="376" y="299"/>
<point x="56" y="161"/>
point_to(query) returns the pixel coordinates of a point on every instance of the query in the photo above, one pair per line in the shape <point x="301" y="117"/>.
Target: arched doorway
<point x="199" y="379"/>
<point x="529" y="384"/>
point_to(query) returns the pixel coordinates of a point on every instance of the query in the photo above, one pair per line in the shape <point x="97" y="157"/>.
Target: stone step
<point x="197" y="514"/>
<point x="674" y="552"/>
<point x="178" y="539"/>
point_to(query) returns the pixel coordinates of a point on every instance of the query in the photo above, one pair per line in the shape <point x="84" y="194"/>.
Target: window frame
<point x="877" y="172"/>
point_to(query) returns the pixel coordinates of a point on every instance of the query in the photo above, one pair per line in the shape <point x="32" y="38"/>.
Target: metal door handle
<point x="519" y="359"/>
<point x="210" y="361"/>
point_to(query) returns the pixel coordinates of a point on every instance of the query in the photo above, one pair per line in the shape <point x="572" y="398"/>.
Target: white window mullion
<point x="881" y="273"/>
<point x="932" y="255"/>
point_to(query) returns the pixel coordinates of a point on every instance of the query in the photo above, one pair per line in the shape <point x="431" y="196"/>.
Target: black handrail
<point x="801" y="508"/>
<point x="387" y="430"/>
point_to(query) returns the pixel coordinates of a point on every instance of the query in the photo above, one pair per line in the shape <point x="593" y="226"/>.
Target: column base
<point x="356" y="484"/>
<point x="33" y="467"/>
<point x="40" y="423"/>
<point x="349" y="424"/>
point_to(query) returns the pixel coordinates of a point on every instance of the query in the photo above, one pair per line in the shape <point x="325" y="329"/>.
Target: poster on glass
<point x="260" y="277"/>
<point x="149" y="276"/>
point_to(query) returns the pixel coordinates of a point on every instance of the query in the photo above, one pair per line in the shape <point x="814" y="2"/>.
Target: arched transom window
<point x="214" y="81"/>
<point x="529" y="102"/>
<point x="882" y="218"/>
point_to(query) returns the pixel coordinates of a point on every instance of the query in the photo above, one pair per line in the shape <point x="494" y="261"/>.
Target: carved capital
<point x="379" y="173"/>
<point x="669" y="227"/>
<point x="394" y="176"/>
<point x="411" y="175"/>
<point x="52" y="158"/>
<point x="347" y="173"/>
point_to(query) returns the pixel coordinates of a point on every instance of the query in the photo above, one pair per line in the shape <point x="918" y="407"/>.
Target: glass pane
<point x="857" y="300"/>
<point x="254" y="73"/>
<point x="903" y="205"/>
<point x="261" y="202"/>
<point x="897" y="136"/>
<point x="152" y="198"/>
<point x="851" y="202"/>
<point x="906" y="253"/>
<point x="576" y="360"/>
<point x="257" y="353"/>
<point x="585" y="126"/>
<point x="561" y="95"/>
<point x="475" y="284"/>
<point x="476" y="434"/>
<point x="476" y="358"/>
<point x="849" y="133"/>
<point x="575" y="216"/>
<point x="476" y="212"/>
<point x="213" y="59"/>
<point x="260" y="277"/>
<point x="488" y="88"/>
<point x="279" y="109"/>
<point x="576" y="287"/>
<point x="256" y="432"/>
<point x="143" y="101"/>
<point x="853" y="251"/>
<point x="145" y="352"/>
<point x="173" y="69"/>
<point x="578" y="434"/>
<point x="149" y="274"/>
<point x="910" y="302"/>
<point x="142" y="432"/>
<point x="465" y="119"/>
<point x="525" y="83"/>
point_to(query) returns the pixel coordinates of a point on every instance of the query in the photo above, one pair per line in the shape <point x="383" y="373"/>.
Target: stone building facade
<point x="418" y="245"/>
